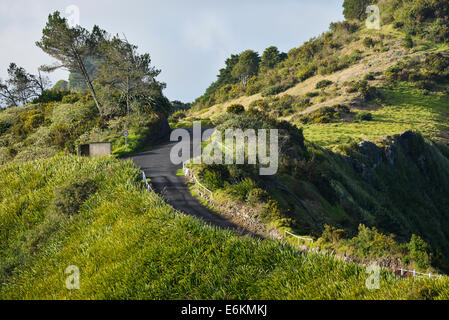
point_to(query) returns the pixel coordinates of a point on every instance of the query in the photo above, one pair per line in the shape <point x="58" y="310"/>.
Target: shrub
<point x="355" y="9"/>
<point x="332" y="234"/>
<point x="52" y="95"/>
<point x="408" y="42"/>
<point x="369" y="76"/>
<point x="312" y="94"/>
<point x="368" y="42"/>
<point x="4" y="127"/>
<point x="364" y="89"/>
<point x="257" y="195"/>
<point x="176" y="116"/>
<point x="214" y="176"/>
<point x="261" y="104"/>
<point x="419" y="252"/>
<point x="69" y="198"/>
<point x="242" y="189"/>
<point x="306" y="73"/>
<point x="70" y="98"/>
<point x="273" y="90"/>
<point x="272" y="210"/>
<point x="28" y="121"/>
<point x="364" y="116"/>
<point x="323" y="84"/>
<point x="235" y="109"/>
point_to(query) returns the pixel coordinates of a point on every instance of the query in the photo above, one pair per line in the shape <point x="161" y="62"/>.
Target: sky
<point x="188" y="40"/>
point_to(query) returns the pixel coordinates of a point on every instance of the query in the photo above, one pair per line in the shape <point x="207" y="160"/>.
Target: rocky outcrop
<point x="411" y="143"/>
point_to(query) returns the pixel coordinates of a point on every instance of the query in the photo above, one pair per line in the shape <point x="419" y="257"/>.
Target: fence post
<point x="430" y="275"/>
<point x="414" y="273"/>
<point x="402" y="272"/>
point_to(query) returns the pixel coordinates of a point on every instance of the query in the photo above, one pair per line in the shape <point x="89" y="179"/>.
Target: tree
<point x="419" y="252"/>
<point x="124" y="70"/>
<point x="247" y="66"/>
<point x="225" y="75"/>
<point x="41" y="82"/>
<point x="355" y="9"/>
<point x="19" y="88"/>
<point x="71" y="46"/>
<point x="271" y="57"/>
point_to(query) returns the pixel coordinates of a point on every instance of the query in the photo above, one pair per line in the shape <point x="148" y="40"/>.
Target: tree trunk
<point x="87" y="79"/>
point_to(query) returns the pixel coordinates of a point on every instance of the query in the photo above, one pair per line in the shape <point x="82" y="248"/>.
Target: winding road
<point x="163" y="175"/>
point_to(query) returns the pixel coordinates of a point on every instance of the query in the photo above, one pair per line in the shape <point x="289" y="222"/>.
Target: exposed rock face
<point x="408" y="141"/>
<point x="372" y="152"/>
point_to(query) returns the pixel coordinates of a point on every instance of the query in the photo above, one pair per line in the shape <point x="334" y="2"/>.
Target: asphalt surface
<point x="163" y="175"/>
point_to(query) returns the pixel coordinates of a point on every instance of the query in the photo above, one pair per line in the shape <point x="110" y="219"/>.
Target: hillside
<point x="373" y="109"/>
<point x="125" y="242"/>
<point x="363" y="122"/>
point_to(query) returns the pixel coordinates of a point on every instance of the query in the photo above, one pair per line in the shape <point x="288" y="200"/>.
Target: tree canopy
<point x="131" y="74"/>
<point x="70" y="46"/>
<point x="271" y="57"/>
<point x="21" y="86"/>
<point x="247" y="66"/>
<point x="355" y="9"/>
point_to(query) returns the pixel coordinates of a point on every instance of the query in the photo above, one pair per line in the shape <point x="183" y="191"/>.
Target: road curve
<point x="163" y="175"/>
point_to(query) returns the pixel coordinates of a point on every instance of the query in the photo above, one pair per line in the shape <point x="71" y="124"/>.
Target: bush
<point x="332" y="234"/>
<point x="28" y="121"/>
<point x="408" y="42"/>
<point x="70" y="98"/>
<point x="368" y="42"/>
<point x="235" y="109"/>
<point x="273" y="90"/>
<point x="242" y="189"/>
<point x="325" y="114"/>
<point x="323" y="84"/>
<point x="69" y="198"/>
<point x="51" y="96"/>
<point x="257" y="195"/>
<point x="419" y="252"/>
<point x="364" y="116"/>
<point x="306" y="73"/>
<point x="214" y="176"/>
<point x="272" y="210"/>
<point x="312" y="94"/>
<point x="176" y="116"/>
<point x="364" y="89"/>
<point x="4" y="127"/>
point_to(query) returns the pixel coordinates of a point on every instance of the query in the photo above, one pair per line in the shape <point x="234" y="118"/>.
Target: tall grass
<point x="129" y="244"/>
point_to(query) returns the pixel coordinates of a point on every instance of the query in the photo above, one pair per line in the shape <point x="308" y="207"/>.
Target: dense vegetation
<point x="371" y="106"/>
<point x="125" y="242"/>
<point x="364" y="167"/>
<point x="119" y="92"/>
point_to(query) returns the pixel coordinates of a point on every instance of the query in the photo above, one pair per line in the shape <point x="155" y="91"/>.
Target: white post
<point x="414" y="273"/>
<point x="402" y="272"/>
<point x="430" y="275"/>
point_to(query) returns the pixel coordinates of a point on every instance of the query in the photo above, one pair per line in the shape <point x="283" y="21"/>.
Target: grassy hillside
<point x="41" y="130"/>
<point x="373" y="108"/>
<point x="125" y="242"/>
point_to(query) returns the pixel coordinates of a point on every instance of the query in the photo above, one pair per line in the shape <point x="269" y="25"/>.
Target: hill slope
<point x="373" y="108"/>
<point x="125" y="242"/>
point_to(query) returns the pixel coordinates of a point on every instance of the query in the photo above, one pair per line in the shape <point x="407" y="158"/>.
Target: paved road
<point x="163" y="175"/>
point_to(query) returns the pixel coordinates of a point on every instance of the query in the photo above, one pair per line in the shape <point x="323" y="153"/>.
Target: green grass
<point x="405" y="109"/>
<point x="126" y="243"/>
<point x="136" y="143"/>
